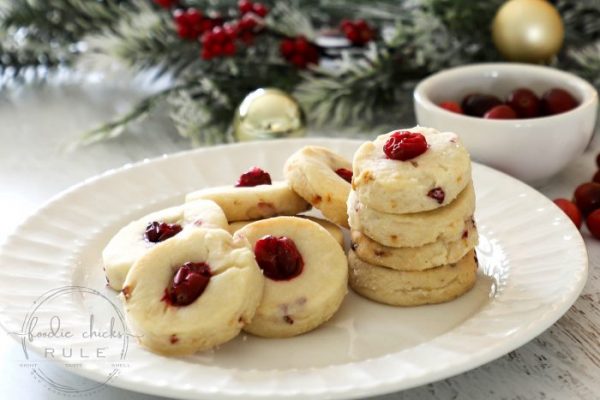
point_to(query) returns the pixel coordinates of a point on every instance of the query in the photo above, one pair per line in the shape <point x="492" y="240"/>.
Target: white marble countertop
<point x="36" y="122"/>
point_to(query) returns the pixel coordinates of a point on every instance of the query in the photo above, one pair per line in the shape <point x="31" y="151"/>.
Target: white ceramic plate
<point x="533" y="265"/>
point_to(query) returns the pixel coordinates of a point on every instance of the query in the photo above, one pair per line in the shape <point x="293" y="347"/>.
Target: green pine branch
<point x="65" y="20"/>
<point x="148" y="42"/>
<point x="586" y="62"/>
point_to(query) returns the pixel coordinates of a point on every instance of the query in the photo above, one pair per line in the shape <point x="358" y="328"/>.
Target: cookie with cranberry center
<point x="243" y="203"/>
<point x="415" y="229"/>
<point x="431" y="179"/>
<point x="305" y="272"/>
<point x="193" y="292"/>
<point x="412" y="288"/>
<point x="322" y="178"/>
<point x="431" y="255"/>
<point x="139" y="236"/>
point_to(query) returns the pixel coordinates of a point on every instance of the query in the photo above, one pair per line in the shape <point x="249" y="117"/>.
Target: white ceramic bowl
<point x="530" y="149"/>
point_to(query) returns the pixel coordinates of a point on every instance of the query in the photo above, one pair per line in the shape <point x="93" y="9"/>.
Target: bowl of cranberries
<point x="527" y="120"/>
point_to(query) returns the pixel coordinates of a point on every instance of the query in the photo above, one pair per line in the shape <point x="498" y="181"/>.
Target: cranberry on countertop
<point x="188" y="283"/>
<point x="477" y="104"/>
<point x="593" y="223"/>
<point x="524" y="102"/>
<point x="254" y="177"/>
<point x="571" y="210"/>
<point x="345" y="174"/>
<point x="278" y="257"/>
<point x="405" y="145"/>
<point x="159" y="231"/>
<point x="587" y="197"/>
<point x="556" y="101"/>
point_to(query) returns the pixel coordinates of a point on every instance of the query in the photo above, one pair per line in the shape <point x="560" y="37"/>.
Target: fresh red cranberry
<point x="451" y="106"/>
<point x="254" y="177"/>
<point x="500" y="112"/>
<point x="556" y="101"/>
<point x="571" y="210"/>
<point x="587" y="197"/>
<point x="525" y="103"/>
<point x="278" y="257"/>
<point x="593" y="223"/>
<point x="437" y="194"/>
<point x="159" y="231"/>
<point x="345" y="174"/>
<point x="405" y="145"/>
<point x="477" y="104"/>
<point x="188" y="283"/>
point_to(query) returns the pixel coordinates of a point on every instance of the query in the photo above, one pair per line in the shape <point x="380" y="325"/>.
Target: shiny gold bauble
<point x="268" y="114"/>
<point x="528" y="30"/>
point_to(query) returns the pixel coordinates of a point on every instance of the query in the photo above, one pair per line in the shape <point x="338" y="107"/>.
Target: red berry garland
<point x="218" y="42"/>
<point x="246" y="29"/>
<point x="218" y="38"/>
<point x="166" y="3"/>
<point x="358" y="32"/>
<point x="191" y="24"/>
<point x="299" y="51"/>
<point x="246" y="7"/>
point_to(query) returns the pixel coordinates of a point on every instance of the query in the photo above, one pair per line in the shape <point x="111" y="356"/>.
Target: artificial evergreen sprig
<point x="214" y="52"/>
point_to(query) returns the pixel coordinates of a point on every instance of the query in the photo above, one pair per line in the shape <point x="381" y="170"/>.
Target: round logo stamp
<point x="95" y="338"/>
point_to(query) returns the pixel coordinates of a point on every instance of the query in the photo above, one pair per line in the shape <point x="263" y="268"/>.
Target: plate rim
<point x="476" y="359"/>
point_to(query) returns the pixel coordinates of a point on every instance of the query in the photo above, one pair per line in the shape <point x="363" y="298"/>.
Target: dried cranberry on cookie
<point x="306" y="275"/>
<point x="254" y="196"/>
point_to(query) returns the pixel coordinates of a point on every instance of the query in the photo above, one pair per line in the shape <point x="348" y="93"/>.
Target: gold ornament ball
<point x="268" y="114"/>
<point x="528" y="30"/>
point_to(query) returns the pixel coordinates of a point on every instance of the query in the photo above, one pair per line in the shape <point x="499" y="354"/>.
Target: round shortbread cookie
<point x="255" y="202"/>
<point x="332" y="228"/>
<point x="416" y="229"/>
<point x="302" y="303"/>
<point x="414" y="258"/>
<point x="227" y="303"/>
<point x="129" y="243"/>
<point x="412" y="288"/>
<point x="399" y="187"/>
<point x="311" y="171"/>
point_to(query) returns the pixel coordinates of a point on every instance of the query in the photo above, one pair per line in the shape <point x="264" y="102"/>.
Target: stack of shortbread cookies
<point x="411" y="218"/>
